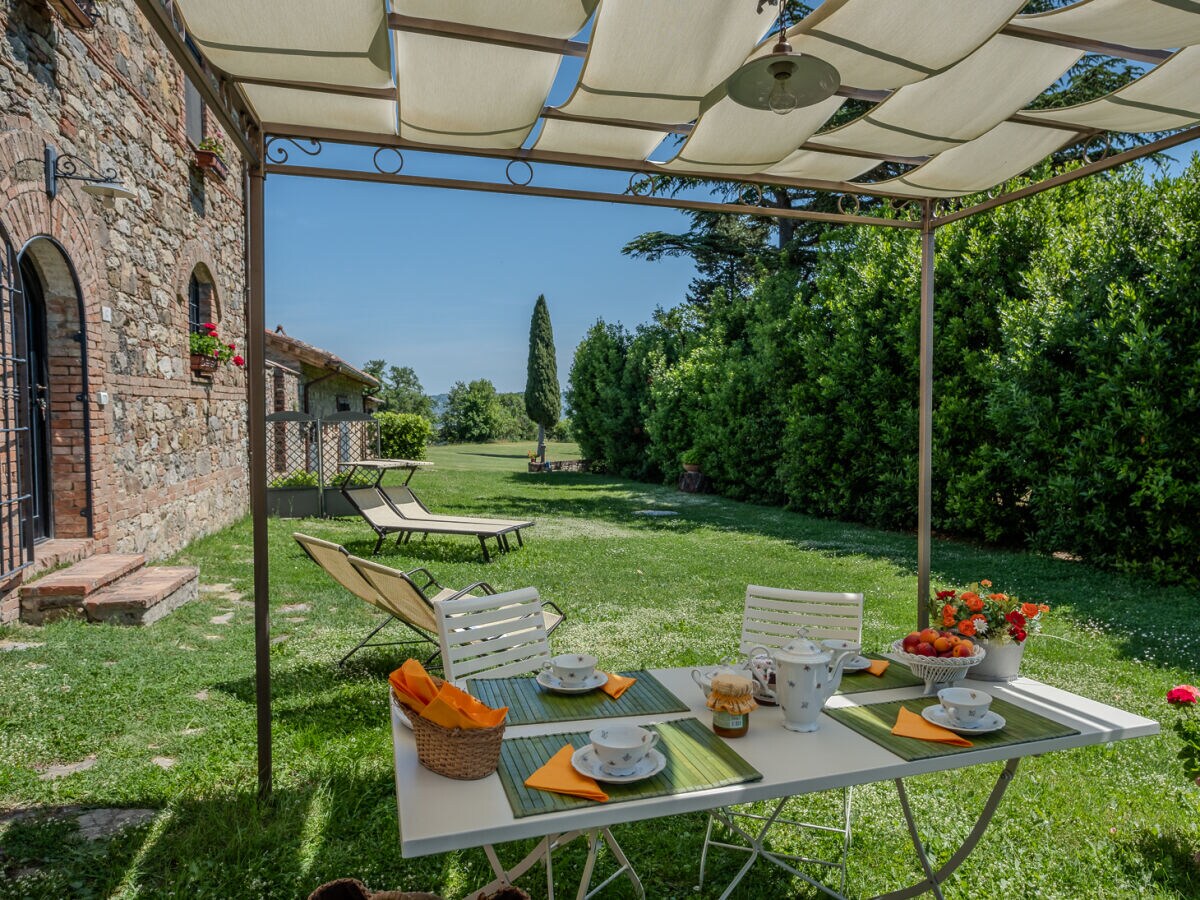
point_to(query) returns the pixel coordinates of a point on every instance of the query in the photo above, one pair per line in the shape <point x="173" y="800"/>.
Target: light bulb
<point x="782" y="100"/>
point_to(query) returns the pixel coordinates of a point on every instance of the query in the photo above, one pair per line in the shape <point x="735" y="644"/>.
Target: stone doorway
<point x="58" y="448"/>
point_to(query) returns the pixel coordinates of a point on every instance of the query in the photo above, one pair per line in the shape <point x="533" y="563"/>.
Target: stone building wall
<point x="168" y="449"/>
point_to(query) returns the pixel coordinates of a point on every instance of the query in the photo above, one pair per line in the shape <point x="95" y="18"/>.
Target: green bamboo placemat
<point x="875" y="721"/>
<point x="528" y="704"/>
<point x="696" y="760"/>
<point x="896" y="676"/>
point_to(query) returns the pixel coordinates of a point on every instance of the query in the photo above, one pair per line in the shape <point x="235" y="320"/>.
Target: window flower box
<point x="210" y="163"/>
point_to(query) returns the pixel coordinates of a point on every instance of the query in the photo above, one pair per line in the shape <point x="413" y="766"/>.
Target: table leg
<point x="934" y="879"/>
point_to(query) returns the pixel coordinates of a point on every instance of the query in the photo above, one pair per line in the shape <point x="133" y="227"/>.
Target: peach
<point x="924" y="649"/>
<point x="929" y="635"/>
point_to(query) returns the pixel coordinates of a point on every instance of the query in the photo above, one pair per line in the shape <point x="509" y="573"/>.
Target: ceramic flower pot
<point x="204" y="364"/>
<point x="1002" y="662"/>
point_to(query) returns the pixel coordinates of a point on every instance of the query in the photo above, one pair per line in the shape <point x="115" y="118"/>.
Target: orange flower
<point x="1029" y="610"/>
<point x="967" y="627"/>
<point x="948" y="616"/>
<point x="979" y="617"/>
<point x="985" y="583"/>
<point x="968" y="597"/>
<point x="1042" y="607"/>
<point x="1000" y="597"/>
<point x="974" y="604"/>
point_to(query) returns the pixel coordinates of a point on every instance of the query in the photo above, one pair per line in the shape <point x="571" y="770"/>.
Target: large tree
<point x="472" y="413"/>
<point x="543" y="402"/>
<point x="400" y="390"/>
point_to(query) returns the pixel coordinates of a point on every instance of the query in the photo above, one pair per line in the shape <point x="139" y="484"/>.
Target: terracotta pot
<point x="211" y="163"/>
<point x="1002" y="663"/>
<point x="204" y="364"/>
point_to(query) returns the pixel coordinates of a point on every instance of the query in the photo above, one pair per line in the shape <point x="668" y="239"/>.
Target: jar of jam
<point x="731" y="698"/>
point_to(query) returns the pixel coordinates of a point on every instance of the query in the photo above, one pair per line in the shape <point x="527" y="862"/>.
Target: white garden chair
<point x="498" y="636"/>
<point x="771" y="618"/>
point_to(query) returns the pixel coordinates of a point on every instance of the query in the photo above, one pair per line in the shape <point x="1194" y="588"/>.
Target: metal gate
<point x="16" y="545"/>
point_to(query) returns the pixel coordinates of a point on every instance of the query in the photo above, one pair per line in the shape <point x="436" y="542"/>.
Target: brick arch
<point x="196" y="253"/>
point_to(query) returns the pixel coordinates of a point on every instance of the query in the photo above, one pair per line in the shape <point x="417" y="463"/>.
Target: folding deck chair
<point x="496" y="637"/>
<point x="374" y="507"/>
<point x="400" y="596"/>
<point x="771" y="618"/>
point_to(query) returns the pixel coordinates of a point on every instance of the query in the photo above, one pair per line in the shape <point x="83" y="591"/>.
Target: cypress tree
<point x="542" y="401"/>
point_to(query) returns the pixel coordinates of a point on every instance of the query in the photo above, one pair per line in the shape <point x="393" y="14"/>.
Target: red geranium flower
<point x="1183" y="695"/>
<point x="238" y="361"/>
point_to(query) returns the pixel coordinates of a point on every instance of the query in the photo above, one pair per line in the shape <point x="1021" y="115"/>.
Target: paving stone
<point x="7" y="646"/>
<point x="222" y="619"/>
<point x="50" y="773"/>
<point x="163" y="762"/>
<point x="217" y="587"/>
<point x="295" y="608"/>
<point x="280" y="639"/>
<point x="102" y="823"/>
<point x="191" y="731"/>
<point x="36" y="666"/>
<point x="201" y="695"/>
<point x="213" y="637"/>
<point x="296" y="620"/>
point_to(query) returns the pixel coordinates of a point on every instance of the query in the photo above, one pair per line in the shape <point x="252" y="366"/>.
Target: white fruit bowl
<point x="937" y="671"/>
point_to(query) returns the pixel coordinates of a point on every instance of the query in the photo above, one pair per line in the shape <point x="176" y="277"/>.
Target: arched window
<point x="201" y="302"/>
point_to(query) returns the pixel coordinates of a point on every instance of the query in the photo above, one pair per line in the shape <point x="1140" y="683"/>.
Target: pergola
<point x="948" y="84"/>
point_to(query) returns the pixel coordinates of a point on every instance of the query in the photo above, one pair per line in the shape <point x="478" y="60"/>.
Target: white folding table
<point x="438" y="814"/>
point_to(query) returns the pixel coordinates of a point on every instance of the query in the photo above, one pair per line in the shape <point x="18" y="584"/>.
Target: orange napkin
<point x="560" y="777"/>
<point x="617" y="685"/>
<point x="910" y="725"/>
<point x="413" y="685"/>
<point x="878" y="667"/>
<point x="446" y="705"/>
<point x="455" y="708"/>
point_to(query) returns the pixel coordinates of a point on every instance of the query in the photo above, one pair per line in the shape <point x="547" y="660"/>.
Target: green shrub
<point x="403" y="435"/>
<point x="295" y="480"/>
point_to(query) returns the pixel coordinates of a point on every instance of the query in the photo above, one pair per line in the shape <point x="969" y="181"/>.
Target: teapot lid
<point x="802" y="650"/>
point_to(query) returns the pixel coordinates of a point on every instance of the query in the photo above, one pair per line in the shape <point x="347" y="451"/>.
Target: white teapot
<point x="806" y="675"/>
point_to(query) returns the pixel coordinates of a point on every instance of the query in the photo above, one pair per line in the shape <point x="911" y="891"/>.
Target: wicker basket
<point x="937" y="671"/>
<point x="462" y="753"/>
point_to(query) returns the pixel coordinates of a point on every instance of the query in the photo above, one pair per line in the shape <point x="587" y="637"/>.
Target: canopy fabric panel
<point x="320" y="110"/>
<point x="1161" y="100"/>
<point x="1004" y="152"/>
<point x="655" y="62"/>
<point x="823" y="166"/>
<point x="469" y="94"/>
<point x="548" y="18"/>
<point x="962" y="103"/>
<point x="343" y="43"/>
<point x="881" y="46"/>
<point x="1148" y="24"/>
<point x="733" y="139"/>
<point x="559" y="136"/>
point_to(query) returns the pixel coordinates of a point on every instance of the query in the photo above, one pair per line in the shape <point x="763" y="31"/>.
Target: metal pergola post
<point x="256" y="388"/>
<point x="925" y="418"/>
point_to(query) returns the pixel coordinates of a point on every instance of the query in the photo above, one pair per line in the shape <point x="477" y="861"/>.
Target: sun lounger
<point x="404" y="600"/>
<point x="406" y="502"/>
<point x="374" y="507"/>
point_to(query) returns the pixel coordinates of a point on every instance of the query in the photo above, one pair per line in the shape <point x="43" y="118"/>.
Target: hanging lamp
<point x="783" y="80"/>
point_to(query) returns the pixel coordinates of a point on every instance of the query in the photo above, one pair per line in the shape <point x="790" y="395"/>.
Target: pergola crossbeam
<point x="1104" y="48"/>
<point x="480" y="34"/>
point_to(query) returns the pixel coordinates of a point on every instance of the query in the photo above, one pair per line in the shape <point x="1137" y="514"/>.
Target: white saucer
<point x="857" y="664"/>
<point x="937" y="714"/>
<point x="587" y="763"/>
<point x="547" y="680"/>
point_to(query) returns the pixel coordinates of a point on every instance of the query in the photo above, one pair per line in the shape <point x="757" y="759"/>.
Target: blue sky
<point x="445" y="281"/>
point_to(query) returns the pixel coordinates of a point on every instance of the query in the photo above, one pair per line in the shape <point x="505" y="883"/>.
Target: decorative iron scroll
<point x="508" y="172"/>
<point x="67" y="166"/>
<point x="841" y="204"/>
<point x="380" y="167"/>
<point x="751" y="195"/>
<point x="277" y="153"/>
<point x="1105" y="147"/>
<point x="642" y="185"/>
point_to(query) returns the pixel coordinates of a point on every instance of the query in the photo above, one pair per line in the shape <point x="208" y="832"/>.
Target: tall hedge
<point x="1067" y="379"/>
<point x="403" y="435"/>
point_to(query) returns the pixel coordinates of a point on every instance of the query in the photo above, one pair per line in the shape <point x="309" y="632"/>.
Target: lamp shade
<point x="107" y="189"/>
<point x="783" y="81"/>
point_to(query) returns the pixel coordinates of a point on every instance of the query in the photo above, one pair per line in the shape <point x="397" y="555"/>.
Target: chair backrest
<point x="492" y="636"/>
<point x="335" y="560"/>
<point x="373" y="507"/>
<point x="399" y="593"/>
<point x="406" y="501"/>
<point x="773" y="616"/>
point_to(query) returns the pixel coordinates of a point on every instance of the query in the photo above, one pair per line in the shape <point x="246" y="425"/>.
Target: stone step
<point x="144" y="596"/>
<point x="63" y="592"/>
<point x="57" y="552"/>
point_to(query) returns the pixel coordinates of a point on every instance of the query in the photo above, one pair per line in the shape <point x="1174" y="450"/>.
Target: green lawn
<point x="1102" y="822"/>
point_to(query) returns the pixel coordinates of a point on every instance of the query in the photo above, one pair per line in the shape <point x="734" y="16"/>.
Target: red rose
<point x="238" y="361"/>
<point x="1016" y="619"/>
<point x="946" y="595"/>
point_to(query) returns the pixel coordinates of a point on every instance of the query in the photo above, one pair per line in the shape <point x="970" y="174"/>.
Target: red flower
<point x="209" y="326"/>
<point x="238" y="361"/>
<point x="1183" y="695"/>
<point x="1015" y="619"/>
<point x="946" y="595"/>
<point x="231" y="347"/>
